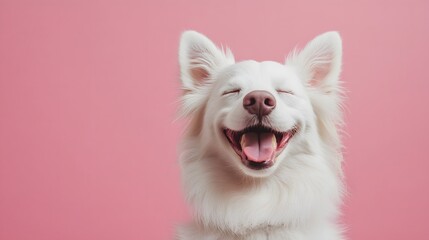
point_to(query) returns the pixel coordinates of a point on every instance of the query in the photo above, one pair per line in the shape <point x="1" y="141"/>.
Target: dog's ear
<point x="319" y="63"/>
<point x="199" y="58"/>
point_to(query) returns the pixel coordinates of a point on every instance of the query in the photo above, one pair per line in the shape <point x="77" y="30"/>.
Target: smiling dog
<point x="261" y="155"/>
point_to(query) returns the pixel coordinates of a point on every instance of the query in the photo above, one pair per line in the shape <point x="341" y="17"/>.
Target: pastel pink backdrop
<point x="88" y="93"/>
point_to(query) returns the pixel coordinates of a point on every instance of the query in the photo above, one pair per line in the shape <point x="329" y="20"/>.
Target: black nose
<point x="259" y="103"/>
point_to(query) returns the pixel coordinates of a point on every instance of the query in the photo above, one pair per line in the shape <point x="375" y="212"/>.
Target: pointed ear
<point x="319" y="63"/>
<point x="199" y="58"/>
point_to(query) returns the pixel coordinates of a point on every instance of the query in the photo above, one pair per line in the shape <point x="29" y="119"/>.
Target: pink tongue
<point x="258" y="147"/>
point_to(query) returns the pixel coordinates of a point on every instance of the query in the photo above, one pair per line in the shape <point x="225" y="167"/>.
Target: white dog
<point x="261" y="156"/>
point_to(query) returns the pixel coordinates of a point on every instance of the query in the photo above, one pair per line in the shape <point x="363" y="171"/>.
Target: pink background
<point x="88" y="93"/>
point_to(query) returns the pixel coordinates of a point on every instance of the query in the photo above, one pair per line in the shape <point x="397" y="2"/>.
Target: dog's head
<point x="253" y="115"/>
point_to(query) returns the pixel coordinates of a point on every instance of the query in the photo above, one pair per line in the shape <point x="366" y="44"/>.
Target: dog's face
<point x="256" y="109"/>
<point x="252" y="115"/>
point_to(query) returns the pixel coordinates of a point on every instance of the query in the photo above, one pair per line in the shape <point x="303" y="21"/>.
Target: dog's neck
<point x="262" y="231"/>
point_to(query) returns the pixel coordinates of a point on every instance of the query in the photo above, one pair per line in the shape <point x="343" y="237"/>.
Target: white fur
<point x="298" y="197"/>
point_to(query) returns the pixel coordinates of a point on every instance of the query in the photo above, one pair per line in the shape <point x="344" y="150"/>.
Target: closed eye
<point x="235" y="90"/>
<point x="285" y="91"/>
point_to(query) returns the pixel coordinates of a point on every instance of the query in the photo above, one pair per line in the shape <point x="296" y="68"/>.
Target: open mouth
<point x="258" y="146"/>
